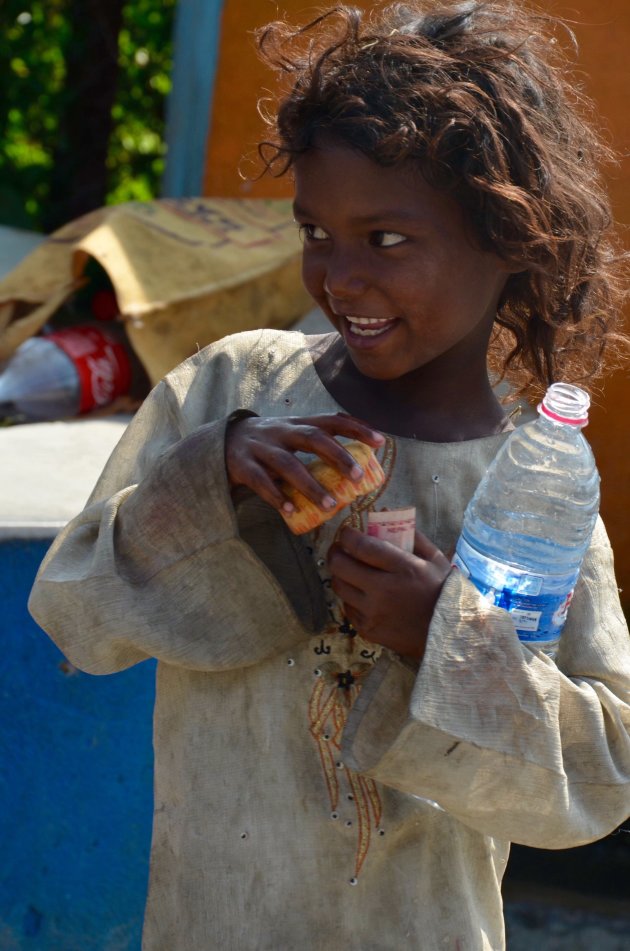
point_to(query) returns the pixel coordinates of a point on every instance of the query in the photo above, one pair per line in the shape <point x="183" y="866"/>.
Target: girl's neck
<point x="426" y="404"/>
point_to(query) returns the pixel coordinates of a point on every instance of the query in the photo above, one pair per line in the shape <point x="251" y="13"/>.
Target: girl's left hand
<point x="389" y="594"/>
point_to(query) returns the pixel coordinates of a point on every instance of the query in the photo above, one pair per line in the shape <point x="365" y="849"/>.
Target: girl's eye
<point x="387" y="239"/>
<point x="312" y="233"/>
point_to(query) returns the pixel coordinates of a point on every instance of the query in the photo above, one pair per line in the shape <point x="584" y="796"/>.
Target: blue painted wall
<point x="196" y="42"/>
<point x="75" y="786"/>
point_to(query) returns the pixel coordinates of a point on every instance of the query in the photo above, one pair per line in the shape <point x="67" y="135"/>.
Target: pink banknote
<point x="396" y="527"/>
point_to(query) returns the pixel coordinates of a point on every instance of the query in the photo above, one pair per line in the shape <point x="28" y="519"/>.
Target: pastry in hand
<point x="308" y="515"/>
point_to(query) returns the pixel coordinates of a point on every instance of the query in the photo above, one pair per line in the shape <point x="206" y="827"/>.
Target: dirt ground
<point x="570" y="900"/>
<point x="533" y="926"/>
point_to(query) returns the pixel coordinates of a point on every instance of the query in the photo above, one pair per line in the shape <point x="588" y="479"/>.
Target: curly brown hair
<point x="478" y="94"/>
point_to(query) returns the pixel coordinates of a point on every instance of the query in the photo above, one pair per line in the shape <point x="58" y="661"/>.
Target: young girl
<point x="318" y="696"/>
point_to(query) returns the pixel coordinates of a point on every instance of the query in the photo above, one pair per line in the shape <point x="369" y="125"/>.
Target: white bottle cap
<point x="565" y="403"/>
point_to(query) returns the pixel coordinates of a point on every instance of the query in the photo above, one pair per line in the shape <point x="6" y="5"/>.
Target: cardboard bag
<point x="185" y="273"/>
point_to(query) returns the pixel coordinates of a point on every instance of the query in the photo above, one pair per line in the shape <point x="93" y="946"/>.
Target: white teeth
<point x="366" y="321"/>
<point x="368" y="333"/>
<point x="361" y="325"/>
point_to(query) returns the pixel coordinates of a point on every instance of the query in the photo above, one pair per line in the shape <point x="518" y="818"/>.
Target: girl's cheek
<point x="313" y="278"/>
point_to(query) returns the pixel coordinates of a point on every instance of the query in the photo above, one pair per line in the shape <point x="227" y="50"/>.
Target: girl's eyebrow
<point x="300" y="212"/>
<point x="386" y="214"/>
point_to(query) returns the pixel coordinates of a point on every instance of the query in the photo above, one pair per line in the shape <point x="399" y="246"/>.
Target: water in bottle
<point x="529" y="523"/>
<point x="64" y="374"/>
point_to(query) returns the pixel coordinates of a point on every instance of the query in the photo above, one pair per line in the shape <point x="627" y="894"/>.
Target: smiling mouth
<point x="369" y="326"/>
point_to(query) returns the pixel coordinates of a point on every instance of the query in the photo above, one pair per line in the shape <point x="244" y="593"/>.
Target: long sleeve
<point x="156" y="565"/>
<point x="502" y="738"/>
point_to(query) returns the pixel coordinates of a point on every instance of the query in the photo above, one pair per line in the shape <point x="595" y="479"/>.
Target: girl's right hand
<point x="260" y="454"/>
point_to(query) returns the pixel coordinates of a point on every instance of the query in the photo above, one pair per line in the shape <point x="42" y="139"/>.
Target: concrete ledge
<point x="47" y="471"/>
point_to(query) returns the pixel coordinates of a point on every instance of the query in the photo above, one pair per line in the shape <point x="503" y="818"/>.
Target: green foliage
<point x="34" y="41"/>
<point x="32" y="72"/>
<point x="137" y="148"/>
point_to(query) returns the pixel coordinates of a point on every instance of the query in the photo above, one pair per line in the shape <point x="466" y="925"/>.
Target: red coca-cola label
<point x="101" y="361"/>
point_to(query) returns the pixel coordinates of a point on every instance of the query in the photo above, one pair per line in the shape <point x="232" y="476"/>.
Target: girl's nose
<point x="345" y="278"/>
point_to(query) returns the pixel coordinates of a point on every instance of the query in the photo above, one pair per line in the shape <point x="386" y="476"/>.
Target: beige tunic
<point x="294" y="761"/>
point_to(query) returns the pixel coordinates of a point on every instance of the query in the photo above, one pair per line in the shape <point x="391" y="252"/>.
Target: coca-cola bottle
<point x="66" y="373"/>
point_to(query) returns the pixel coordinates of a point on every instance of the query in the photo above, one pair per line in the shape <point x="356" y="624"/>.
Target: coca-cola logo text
<point x="103" y="375"/>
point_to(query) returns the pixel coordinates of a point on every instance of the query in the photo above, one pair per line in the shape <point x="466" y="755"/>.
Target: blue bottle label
<point x="538" y="604"/>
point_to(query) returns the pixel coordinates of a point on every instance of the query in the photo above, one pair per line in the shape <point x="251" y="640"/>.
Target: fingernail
<point x="288" y="507"/>
<point x="356" y="472"/>
<point x="378" y="437"/>
<point x="328" y="502"/>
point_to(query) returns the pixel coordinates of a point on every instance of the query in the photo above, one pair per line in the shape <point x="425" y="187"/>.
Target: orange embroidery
<point x="331" y="699"/>
<point x="336" y="690"/>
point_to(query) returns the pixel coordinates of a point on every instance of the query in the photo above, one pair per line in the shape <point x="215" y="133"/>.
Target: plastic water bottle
<point x="64" y="374"/>
<point x="529" y="523"/>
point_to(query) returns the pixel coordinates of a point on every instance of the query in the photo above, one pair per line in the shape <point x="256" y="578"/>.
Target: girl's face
<point x="390" y="262"/>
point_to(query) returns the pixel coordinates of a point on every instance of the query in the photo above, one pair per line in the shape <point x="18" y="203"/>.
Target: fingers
<point x="256" y="478"/>
<point x="316" y="435"/>
<point x="277" y="465"/>
<point x="426" y="550"/>
<point x="385" y="556"/>
<point x="260" y="453"/>
<point x="377" y="555"/>
<point x="389" y="595"/>
<point x="346" y="569"/>
<point x="372" y="551"/>
<point x="315" y="441"/>
<point x="342" y="424"/>
<point x="353" y="598"/>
